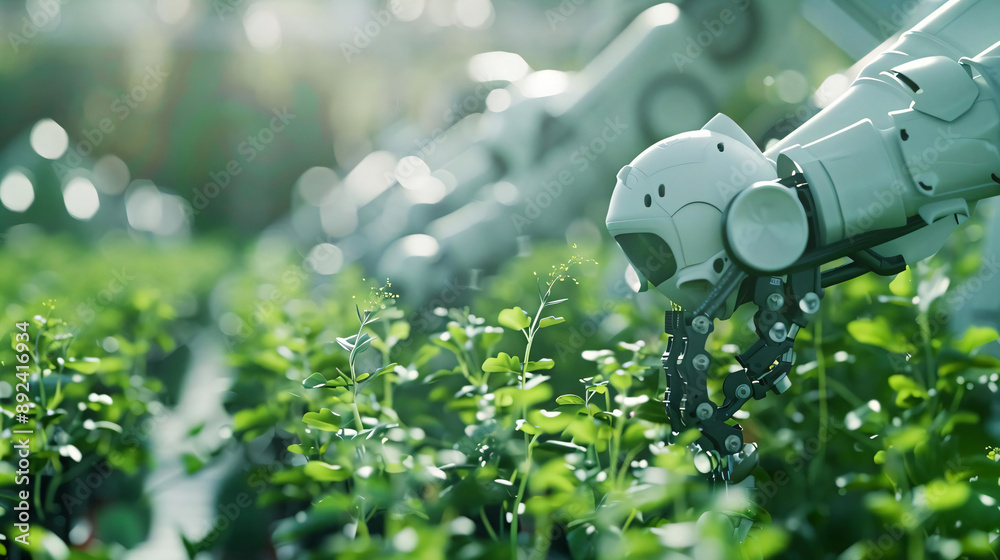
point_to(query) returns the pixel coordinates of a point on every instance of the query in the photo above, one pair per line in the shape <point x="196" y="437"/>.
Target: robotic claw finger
<point x="881" y="177"/>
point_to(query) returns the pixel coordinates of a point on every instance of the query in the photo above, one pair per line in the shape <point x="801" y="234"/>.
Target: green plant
<point x="479" y="444"/>
<point x="85" y="331"/>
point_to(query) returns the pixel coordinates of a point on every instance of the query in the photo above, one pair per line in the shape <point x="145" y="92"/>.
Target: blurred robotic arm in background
<point x="475" y="193"/>
<point x="882" y="177"/>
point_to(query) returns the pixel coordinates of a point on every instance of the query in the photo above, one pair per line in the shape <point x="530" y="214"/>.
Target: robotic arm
<point x="882" y="176"/>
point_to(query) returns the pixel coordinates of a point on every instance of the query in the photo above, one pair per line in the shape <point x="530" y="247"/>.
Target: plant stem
<point x="362" y="527"/>
<point x="487" y="524"/>
<point x="518" y="499"/>
<point x="543" y="539"/>
<point x="821" y="373"/>
<point x="613" y="444"/>
<point x="625" y="464"/>
<point x="925" y="332"/>
<point x="386" y="379"/>
<point x="628" y="521"/>
<point x="357" y="416"/>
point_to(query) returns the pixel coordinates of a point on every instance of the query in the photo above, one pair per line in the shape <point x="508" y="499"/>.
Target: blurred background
<point x="407" y="134"/>
<point x="162" y="162"/>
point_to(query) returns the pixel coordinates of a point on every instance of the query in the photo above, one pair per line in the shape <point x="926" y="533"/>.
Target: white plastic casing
<point x="678" y="190"/>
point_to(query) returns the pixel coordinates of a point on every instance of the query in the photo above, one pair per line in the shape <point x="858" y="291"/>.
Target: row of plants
<point x="530" y="423"/>
<point x="521" y="419"/>
<point x="96" y="346"/>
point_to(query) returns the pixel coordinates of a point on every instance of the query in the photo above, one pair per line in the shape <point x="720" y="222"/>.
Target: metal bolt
<point x="809" y="303"/>
<point x="782" y="385"/>
<point x="700" y="324"/>
<point x="733" y="443"/>
<point x="775" y="301"/>
<point x="743" y="391"/>
<point x="793" y="331"/>
<point x="778" y="332"/>
<point x="704" y="411"/>
<point x="700" y="362"/>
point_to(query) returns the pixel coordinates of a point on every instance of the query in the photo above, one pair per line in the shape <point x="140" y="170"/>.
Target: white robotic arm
<point x="932" y="156"/>
<point x="882" y="176"/>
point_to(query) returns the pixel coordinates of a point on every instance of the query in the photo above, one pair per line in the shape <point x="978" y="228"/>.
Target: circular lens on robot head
<point x="650" y="255"/>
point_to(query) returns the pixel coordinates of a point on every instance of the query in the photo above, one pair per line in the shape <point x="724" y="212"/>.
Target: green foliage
<point x="467" y="450"/>
<point x="93" y="326"/>
<point x="530" y="422"/>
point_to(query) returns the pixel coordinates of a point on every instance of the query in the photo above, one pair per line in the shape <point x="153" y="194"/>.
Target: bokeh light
<point x="48" y="139"/>
<point x="16" y="191"/>
<point x="81" y="198"/>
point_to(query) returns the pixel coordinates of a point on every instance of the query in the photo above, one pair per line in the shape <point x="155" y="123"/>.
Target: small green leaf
<point x="570" y="399"/>
<point x="942" y="495"/>
<point x="602" y="389"/>
<point x="361" y="377"/>
<point x="960" y="417"/>
<point x="192" y="463"/>
<point x="457" y="333"/>
<point x="384" y="369"/>
<point x="490" y="337"/>
<point x="314" y="381"/>
<point x="877" y="332"/>
<point x="252" y="417"/>
<point x="555" y="302"/>
<point x="425" y="354"/>
<point x="325" y="472"/>
<point x="549" y="321"/>
<point x="502" y="363"/>
<point x="325" y="420"/>
<point x="902" y="284"/>
<point x="975" y="337"/>
<point x="395" y="468"/>
<point x="355" y="344"/>
<point x="527" y="428"/>
<point x="86" y="365"/>
<point x="515" y="319"/>
<point x="400" y="330"/>
<point x="544" y="363"/>
<point x="621" y="381"/>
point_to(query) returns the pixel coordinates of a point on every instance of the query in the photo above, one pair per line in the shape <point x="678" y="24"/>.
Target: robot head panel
<point x="667" y="208"/>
